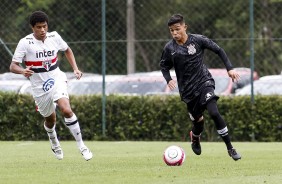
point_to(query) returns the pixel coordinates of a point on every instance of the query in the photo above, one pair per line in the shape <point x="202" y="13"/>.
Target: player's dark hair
<point x="37" y="17"/>
<point x="174" y="19"/>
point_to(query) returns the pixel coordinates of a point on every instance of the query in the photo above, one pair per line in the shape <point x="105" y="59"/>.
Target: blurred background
<point x="136" y="31"/>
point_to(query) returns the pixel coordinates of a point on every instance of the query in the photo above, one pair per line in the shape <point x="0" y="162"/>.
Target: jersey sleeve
<point x="166" y="64"/>
<point x="61" y="43"/>
<point x="20" y="52"/>
<point x="211" y="45"/>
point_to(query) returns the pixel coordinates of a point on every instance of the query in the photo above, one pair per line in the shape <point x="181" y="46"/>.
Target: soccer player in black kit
<point x="185" y="53"/>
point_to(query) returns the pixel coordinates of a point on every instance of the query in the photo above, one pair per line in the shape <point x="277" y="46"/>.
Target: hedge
<point x="143" y="118"/>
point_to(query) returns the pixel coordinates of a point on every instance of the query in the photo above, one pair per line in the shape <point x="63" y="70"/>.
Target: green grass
<point x="139" y="163"/>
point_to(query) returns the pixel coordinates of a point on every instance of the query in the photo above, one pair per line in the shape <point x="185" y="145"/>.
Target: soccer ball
<point x="174" y="156"/>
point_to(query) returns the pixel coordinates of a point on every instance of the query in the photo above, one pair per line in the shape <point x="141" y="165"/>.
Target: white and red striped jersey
<point x="42" y="56"/>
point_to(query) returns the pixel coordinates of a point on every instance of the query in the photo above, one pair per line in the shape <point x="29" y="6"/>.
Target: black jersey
<point x="187" y="60"/>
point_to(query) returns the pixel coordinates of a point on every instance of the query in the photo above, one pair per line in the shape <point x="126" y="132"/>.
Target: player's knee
<point x="212" y="109"/>
<point x="193" y="118"/>
<point x="213" y="113"/>
<point x="67" y="112"/>
<point x="50" y="121"/>
<point x="196" y="119"/>
<point x="198" y="126"/>
<point x="199" y="123"/>
<point x="200" y="119"/>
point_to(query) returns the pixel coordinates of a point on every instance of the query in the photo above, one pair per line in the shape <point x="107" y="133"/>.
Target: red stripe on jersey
<point x="39" y="63"/>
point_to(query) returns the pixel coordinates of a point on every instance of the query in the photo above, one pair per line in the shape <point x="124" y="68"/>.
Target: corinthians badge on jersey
<point x="47" y="64"/>
<point x="191" y="49"/>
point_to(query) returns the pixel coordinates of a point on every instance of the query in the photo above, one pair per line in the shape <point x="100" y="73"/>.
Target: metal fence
<point x="136" y="31"/>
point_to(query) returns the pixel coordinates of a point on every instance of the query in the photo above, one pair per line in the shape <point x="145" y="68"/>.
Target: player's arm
<point x="209" y="44"/>
<point x="166" y="64"/>
<point x="63" y="46"/>
<point x="233" y="75"/>
<point x="172" y="84"/>
<point x="16" y="68"/>
<point x="18" y="56"/>
<point x="70" y="57"/>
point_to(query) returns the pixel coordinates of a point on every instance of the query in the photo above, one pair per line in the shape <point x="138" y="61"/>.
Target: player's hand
<point x="78" y="74"/>
<point x="172" y="84"/>
<point x="234" y="75"/>
<point x="27" y="72"/>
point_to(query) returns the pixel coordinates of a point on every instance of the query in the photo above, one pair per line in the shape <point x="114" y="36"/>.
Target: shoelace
<point x="84" y="150"/>
<point x="232" y="152"/>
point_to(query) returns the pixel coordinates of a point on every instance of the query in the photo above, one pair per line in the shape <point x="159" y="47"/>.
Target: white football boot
<point x="86" y="153"/>
<point x="58" y="152"/>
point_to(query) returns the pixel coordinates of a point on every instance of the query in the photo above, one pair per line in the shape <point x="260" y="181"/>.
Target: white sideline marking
<point x="25" y="144"/>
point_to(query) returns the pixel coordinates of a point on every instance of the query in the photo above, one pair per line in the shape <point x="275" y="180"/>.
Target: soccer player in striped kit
<point x="185" y="52"/>
<point x="38" y="51"/>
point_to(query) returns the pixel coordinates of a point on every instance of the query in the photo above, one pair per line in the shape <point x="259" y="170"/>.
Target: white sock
<point x="51" y="132"/>
<point x="73" y="125"/>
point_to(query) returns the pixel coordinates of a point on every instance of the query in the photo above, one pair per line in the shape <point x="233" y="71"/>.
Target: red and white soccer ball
<point x="174" y="156"/>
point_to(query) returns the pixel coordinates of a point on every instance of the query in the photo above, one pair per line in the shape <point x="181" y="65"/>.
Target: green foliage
<point x="143" y="118"/>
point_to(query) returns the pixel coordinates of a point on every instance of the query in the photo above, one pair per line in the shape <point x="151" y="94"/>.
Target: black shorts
<point x="197" y="106"/>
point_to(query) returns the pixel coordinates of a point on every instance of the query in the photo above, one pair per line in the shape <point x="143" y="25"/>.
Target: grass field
<point x="139" y="163"/>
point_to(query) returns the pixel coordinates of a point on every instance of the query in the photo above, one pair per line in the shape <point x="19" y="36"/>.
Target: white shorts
<point x="45" y="103"/>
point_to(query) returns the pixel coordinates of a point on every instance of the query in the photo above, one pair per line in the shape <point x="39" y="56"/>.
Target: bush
<point x="158" y="118"/>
